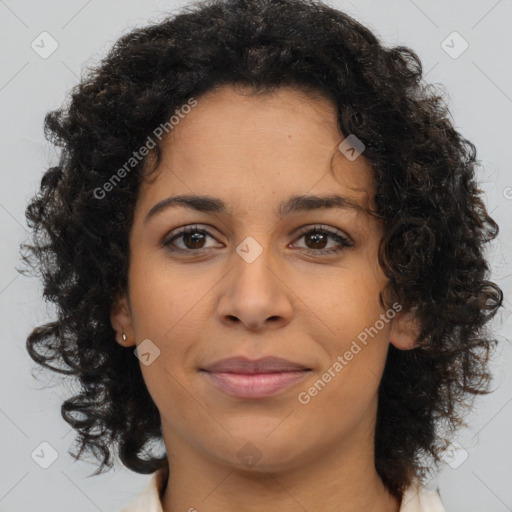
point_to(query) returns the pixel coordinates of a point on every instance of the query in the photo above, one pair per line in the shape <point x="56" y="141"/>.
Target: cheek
<point x="357" y="343"/>
<point x="162" y="298"/>
<point x="348" y="386"/>
<point x="347" y="303"/>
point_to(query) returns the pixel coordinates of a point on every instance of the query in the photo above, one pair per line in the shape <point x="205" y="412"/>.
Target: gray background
<point x="479" y="84"/>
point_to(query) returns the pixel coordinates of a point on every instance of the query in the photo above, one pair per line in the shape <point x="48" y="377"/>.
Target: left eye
<point x="194" y="237"/>
<point x="319" y="235"/>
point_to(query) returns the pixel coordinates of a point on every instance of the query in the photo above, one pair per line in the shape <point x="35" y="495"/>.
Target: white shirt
<point x="415" y="498"/>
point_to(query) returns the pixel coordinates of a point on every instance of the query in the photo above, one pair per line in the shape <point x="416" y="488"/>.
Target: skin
<point x="253" y="152"/>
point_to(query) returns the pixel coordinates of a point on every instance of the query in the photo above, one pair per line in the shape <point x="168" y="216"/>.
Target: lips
<point x="247" y="366"/>
<point x="261" y="378"/>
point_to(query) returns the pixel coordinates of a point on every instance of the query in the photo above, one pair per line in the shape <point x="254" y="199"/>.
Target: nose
<point x="255" y="294"/>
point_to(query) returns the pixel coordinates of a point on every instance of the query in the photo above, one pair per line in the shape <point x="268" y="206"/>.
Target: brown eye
<point x="192" y="238"/>
<point x="317" y="238"/>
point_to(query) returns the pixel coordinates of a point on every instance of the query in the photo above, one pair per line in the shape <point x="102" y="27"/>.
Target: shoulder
<point x="417" y="498"/>
<point x="149" y="500"/>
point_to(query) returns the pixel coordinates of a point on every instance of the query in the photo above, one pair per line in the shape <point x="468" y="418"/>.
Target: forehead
<point x="238" y="117"/>
<point x="247" y="145"/>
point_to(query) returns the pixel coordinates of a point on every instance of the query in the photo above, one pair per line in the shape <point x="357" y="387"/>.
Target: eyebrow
<point x="296" y="203"/>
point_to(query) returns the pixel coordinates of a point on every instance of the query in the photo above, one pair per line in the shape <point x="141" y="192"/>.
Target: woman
<point x="265" y="241"/>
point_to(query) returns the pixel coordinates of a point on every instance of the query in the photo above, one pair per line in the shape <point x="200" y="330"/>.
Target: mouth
<point x="255" y="385"/>
<point x="261" y="378"/>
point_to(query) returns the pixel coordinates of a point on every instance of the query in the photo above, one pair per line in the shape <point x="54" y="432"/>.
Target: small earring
<point x="124" y="337"/>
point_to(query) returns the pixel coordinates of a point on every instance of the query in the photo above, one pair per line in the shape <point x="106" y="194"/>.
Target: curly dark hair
<point x="426" y="194"/>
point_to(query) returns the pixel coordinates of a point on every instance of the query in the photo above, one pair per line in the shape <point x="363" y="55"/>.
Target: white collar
<point x="415" y="498"/>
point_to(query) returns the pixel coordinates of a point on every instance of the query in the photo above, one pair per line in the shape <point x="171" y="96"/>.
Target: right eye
<point x="192" y="237"/>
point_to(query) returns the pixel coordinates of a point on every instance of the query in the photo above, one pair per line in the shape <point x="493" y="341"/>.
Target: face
<point x="255" y="278"/>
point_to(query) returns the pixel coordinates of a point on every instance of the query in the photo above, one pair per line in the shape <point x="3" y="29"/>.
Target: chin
<point x="259" y="453"/>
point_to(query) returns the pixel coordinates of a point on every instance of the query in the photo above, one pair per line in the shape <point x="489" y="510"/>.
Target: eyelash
<point x="344" y="241"/>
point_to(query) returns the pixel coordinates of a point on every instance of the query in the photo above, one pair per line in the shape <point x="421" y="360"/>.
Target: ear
<point x="121" y="320"/>
<point x="405" y="330"/>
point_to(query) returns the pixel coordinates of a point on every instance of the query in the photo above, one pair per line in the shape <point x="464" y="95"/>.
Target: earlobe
<point x="405" y="330"/>
<point x="121" y="320"/>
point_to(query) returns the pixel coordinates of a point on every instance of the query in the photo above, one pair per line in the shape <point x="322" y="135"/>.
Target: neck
<point x="344" y="479"/>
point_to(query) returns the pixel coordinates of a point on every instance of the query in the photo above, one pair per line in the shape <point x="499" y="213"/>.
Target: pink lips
<point x="243" y="378"/>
